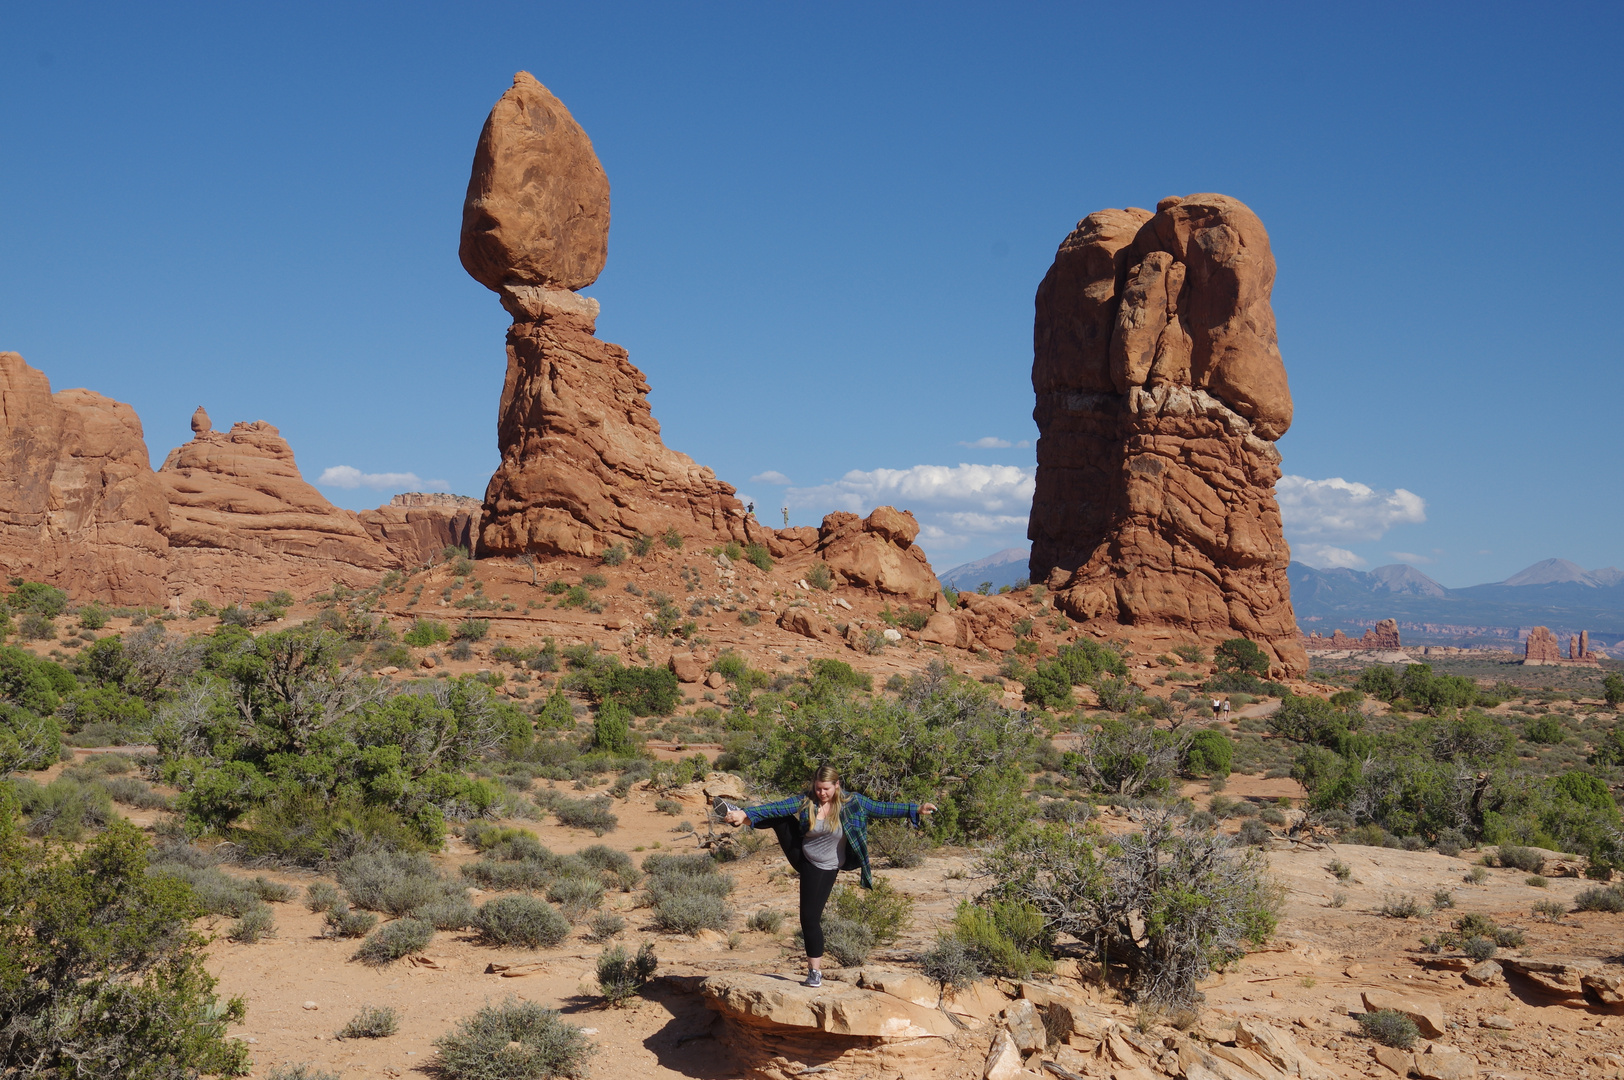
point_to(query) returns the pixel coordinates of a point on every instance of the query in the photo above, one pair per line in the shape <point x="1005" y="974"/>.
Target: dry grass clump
<point x="372" y="1022"/>
<point x="515" y="1040"/>
<point x="393" y="941"/>
<point x="520" y="920"/>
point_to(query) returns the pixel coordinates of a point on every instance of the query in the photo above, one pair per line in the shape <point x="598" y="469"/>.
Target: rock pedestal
<point x="1160" y="394"/>
<point x="582" y="461"/>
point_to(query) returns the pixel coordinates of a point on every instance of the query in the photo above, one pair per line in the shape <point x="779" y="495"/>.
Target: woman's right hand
<point x="736" y="817"/>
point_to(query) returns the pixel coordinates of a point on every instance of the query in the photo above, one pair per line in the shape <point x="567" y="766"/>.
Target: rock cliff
<point x="582" y="460"/>
<point x="244" y="523"/>
<point x="418" y="526"/>
<point x="79" y="507"/>
<point x="1160" y="394"/>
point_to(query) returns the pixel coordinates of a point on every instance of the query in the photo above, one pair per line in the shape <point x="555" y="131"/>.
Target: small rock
<point x="1487" y="973"/>
<point x="715" y="681"/>
<point x="1353" y="970"/>
<point x="1003" y="1059"/>
<point x="1025" y="1026"/>
<point x="311" y="1006"/>
<point x="1440" y="1063"/>
<point x="1393" y="1059"/>
<point x="893" y="634"/>
<point x="1496" y="1022"/>
<point x="390" y="670"/>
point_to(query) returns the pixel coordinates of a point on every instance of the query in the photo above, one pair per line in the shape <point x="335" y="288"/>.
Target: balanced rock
<point x="537" y="209"/>
<point x="878" y="552"/>
<point x="80" y="507"/>
<point x="201" y="421"/>
<point x="1160" y="394"/>
<point x="582" y="461"/>
<point x="244" y="523"/>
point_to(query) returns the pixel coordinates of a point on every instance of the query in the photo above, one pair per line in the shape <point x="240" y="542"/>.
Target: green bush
<point x="273" y="892"/>
<point x="104" y="976"/>
<point x="1479" y="948"/>
<point x="760" y="556"/>
<point x="688" y="893"/>
<point x="1240" y="656"/>
<point x="1379" y="682"/>
<point x="521" y="920"/>
<point x="621" y="976"/>
<point x="847" y="941"/>
<point x="611" y="729"/>
<point x="426" y="632"/>
<point x="37" y="597"/>
<point x="472" y="630"/>
<point x="1401" y="907"/>
<point x="820" y="577"/>
<point x="372" y="1022"/>
<point x="394" y="940"/>
<point x="342" y="922"/>
<point x="614" y="555"/>
<point x="1209" y="753"/>
<point x="514" y="1040"/>
<point x="1390" y="1027"/>
<point x="1007" y="938"/>
<point x="1546" y="731"/>
<point x="1609" y="899"/>
<point x="882" y="911"/>
<point x="64" y="809"/>
<point x="320" y="897"/>
<point x="642" y="545"/>
<point x="449" y="914"/>
<point x="898" y="843"/>
<point x="575" y="896"/>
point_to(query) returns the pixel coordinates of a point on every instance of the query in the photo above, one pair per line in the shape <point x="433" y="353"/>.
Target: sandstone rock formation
<point x="419" y="525"/>
<point x="1543" y="647"/>
<point x="877" y="552"/>
<point x="1382" y="637"/>
<point x="537" y="210"/>
<point x="582" y="461"/>
<point x="244" y="524"/>
<point x="1160" y="394"/>
<point x="80" y="507"/>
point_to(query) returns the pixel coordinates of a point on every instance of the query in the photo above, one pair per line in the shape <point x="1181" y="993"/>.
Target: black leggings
<point x="816" y="884"/>
<point x="815" y="887"/>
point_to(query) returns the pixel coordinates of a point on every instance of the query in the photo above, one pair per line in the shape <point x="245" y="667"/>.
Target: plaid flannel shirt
<point x="854" y="817"/>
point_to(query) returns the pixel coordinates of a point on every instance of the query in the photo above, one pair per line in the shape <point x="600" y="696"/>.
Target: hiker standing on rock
<point x="823" y="832"/>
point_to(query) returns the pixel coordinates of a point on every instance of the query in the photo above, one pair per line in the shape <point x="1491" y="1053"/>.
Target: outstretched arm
<point x="754" y="815"/>
<point x="912" y="811"/>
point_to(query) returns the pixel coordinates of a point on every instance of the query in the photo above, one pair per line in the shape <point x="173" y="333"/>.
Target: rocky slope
<point x="1160" y="394"/>
<point x="582" y="460"/>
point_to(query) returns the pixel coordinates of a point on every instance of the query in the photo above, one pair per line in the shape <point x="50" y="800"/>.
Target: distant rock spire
<point x="201" y="424"/>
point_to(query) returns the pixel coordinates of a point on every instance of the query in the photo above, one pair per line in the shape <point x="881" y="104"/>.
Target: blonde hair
<point x="826" y="774"/>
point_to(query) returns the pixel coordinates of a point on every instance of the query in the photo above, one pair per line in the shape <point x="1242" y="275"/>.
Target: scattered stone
<point x="1025" y="1026"/>
<point x="1444" y="1063"/>
<point x="1486" y="973"/>
<point x="715" y="681"/>
<point x="1003" y="1058"/>
<point x="311" y="1006"/>
<point x="1394" y="1060"/>
<point x="1497" y="1022"/>
<point x="1278" y="1048"/>
<point x="685" y="667"/>
<point x="807" y="623"/>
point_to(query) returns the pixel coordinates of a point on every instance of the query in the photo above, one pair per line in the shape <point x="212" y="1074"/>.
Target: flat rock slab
<point x="833" y="1008"/>
<point x="1427" y="1014"/>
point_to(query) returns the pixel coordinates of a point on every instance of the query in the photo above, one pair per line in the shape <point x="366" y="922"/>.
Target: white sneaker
<point x="813" y="978"/>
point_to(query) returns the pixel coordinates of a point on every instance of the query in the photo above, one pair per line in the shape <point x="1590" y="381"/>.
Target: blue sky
<point x="828" y="225"/>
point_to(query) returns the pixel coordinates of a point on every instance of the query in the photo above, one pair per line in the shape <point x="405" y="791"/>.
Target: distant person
<point x="1217" y="708"/>
<point x="786" y="517"/>
<point x="1226" y="708"/>
<point x="823" y="831"/>
<point x="749" y="509"/>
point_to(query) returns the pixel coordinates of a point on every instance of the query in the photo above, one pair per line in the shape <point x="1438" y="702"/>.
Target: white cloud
<point x="988" y="442"/>
<point x="1342" y="511"/>
<point x="1326" y="557"/>
<point x="1411" y="557"/>
<point x="771" y="476"/>
<point x="956" y="504"/>
<point x="350" y="478"/>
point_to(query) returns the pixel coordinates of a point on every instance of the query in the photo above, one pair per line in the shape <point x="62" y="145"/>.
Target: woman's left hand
<point x="927" y="808"/>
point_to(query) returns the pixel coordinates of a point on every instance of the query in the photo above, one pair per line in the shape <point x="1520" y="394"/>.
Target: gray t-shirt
<point x="825" y="850"/>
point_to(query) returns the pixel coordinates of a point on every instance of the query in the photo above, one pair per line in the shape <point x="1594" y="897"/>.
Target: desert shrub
<point x="614" y="555"/>
<point x="1209" y="753"/>
<point x="1477" y="875"/>
<point x="1442" y="899"/>
<point x="1203" y="903"/>
<point x="748" y="617"/>
<point x="272" y="892"/>
<point x="760" y="556"/>
<point x="898" y="843"/>
<point x="395" y="883"/>
<point x="521" y="920"/>
<point x="1549" y="910"/>
<point x="64" y="809"/>
<point x="136" y="793"/>
<point x="1340" y="870"/>
<point x="1609" y="898"/>
<point x="616" y="866"/>
<point x="594" y="814"/>
<point x="321" y="896"/>
<point x="301" y="1070"/>
<point x="214" y="892"/>
<point x="575" y="896"/>
<point x="1401" y="907"/>
<point x="472" y="630"/>
<point x="1390" y="1027"/>
<point x="1479" y="948"/>
<point x="1272" y="815"/>
<point x="882" y="911"/>
<point x="847" y="941"/>
<point x="1530" y="860"/>
<point x="343" y="921"/>
<point x="688" y="912"/>
<point x="394" y="940"/>
<point x="1253" y="833"/>
<point x="819" y="577"/>
<point x="1126" y="759"/>
<point x="1451" y="842"/>
<point x="372" y="1022"/>
<point x="767" y="920"/>
<point x="448" y="914"/>
<point x="605" y="925"/>
<point x="950" y="963"/>
<point x="1008" y="938"/>
<point x="621" y="976"/>
<point x="426" y="632"/>
<point x="257" y="922"/>
<point x="1545" y="731"/>
<point x="688" y="893"/>
<point x="1535" y="881"/>
<point x="1240" y="656"/>
<point x="514" y="1040"/>
<point x="668" y="806"/>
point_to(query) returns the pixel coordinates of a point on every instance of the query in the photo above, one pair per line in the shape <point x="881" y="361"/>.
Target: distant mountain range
<point x="1000" y="568"/>
<point x="1555" y="593"/>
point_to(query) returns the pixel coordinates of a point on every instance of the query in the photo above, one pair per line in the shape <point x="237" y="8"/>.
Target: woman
<point x="823" y="832"/>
